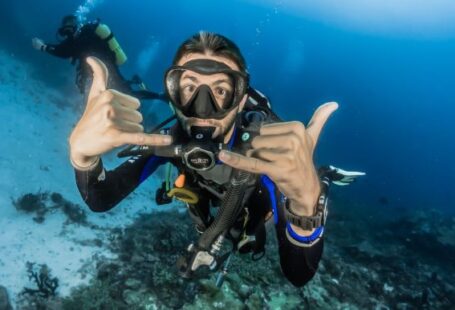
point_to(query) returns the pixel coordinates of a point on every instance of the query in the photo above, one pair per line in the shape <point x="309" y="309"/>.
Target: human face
<point x="222" y="88"/>
<point x="220" y="84"/>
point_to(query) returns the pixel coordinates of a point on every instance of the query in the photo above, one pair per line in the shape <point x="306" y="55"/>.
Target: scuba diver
<point x="93" y="39"/>
<point x="232" y="153"/>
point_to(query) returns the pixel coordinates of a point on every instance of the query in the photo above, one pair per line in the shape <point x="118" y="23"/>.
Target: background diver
<point x="232" y="154"/>
<point x="78" y="41"/>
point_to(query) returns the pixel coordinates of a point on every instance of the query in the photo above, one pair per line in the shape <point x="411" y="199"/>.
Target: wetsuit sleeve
<point x="102" y="190"/>
<point x="62" y="50"/>
<point x="299" y="261"/>
<point x="148" y="95"/>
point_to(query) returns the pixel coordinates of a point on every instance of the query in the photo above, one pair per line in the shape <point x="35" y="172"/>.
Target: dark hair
<point x="212" y="43"/>
<point x="69" y="20"/>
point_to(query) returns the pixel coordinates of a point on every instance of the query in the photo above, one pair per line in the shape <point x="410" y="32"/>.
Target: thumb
<point x="319" y="119"/>
<point x="100" y="76"/>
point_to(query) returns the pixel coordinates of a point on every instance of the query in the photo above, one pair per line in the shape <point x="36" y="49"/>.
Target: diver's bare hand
<point x="284" y="152"/>
<point x="111" y="119"/>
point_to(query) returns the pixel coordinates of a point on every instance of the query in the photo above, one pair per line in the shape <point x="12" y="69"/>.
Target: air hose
<point x="229" y="209"/>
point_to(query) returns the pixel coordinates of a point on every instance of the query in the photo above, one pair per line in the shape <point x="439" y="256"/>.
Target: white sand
<point x="33" y="158"/>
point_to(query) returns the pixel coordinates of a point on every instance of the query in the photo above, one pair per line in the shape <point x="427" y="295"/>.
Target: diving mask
<point x="69" y="26"/>
<point x="202" y="100"/>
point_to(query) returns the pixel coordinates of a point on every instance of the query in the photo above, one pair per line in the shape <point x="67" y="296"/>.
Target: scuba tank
<point x="106" y="34"/>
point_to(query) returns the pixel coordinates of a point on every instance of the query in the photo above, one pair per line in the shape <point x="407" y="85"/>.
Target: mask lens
<point x="181" y="91"/>
<point x="172" y="83"/>
<point x="224" y="95"/>
<point x="226" y="92"/>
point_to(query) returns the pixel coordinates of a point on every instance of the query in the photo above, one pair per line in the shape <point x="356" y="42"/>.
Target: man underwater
<point x="92" y="39"/>
<point x="230" y="153"/>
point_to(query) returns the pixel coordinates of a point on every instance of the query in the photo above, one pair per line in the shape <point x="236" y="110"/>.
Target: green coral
<point x="145" y="277"/>
<point x="98" y="295"/>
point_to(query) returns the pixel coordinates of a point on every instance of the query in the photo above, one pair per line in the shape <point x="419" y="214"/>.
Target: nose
<point x="202" y="102"/>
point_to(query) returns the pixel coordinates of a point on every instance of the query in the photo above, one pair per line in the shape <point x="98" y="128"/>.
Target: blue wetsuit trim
<point x="305" y="239"/>
<point x="229" y="145"/>
<point x="152" y="164"/>
<point x="268" y="183"/>
<point x="231" y="141"/>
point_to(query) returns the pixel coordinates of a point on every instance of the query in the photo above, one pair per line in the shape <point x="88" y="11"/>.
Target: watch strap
<point x="308" y="222"/>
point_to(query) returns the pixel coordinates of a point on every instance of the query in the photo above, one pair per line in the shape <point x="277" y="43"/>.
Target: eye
<point x="189" y="88"/>
<point x="221" y="92"/>
<point x="186" y="92"/>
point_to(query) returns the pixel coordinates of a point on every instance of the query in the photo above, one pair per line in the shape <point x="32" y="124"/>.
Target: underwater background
<point x="390" y="239"/>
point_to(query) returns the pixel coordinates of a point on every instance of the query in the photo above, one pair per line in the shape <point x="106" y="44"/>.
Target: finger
<point x="241" y="162"/>
<point x="278" y="128"/>
<point x="144" y="139"/>
<point x="127" y="126"/>
<point x="270" y="155"/>
<point x="319" y="119"/>
<point x="100" y="76"/>
<point x="100" y="101"/>
<point x="126" y="100"/>
<point x="127" y="114"/>
<point x="281" y="141"/>
<point x="294" y="129"/>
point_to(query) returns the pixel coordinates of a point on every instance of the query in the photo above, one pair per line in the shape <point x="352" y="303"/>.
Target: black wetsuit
<point x="102" y="190"/>
<point x="87" y="43"/>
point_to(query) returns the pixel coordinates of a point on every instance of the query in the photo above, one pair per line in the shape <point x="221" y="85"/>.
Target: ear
<point x="242" y="103"/>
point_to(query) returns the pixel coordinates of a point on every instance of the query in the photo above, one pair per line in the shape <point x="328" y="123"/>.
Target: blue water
<point x="393" y="80"/>
<point x="390" y="66"/>
<point x="394" y="86"/>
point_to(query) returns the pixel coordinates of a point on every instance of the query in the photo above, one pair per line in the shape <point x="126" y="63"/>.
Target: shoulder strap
<point x="256" y="98"/>
<point x="257" y="101"/>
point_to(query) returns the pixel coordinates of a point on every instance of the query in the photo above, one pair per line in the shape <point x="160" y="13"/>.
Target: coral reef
<point x="43" y="202"/>
<point x="370" y="264"/>
<point x="46" y="285"/>
<point x="44" y="294"/>
<point x="4" y="299"/>
<point x="32" y="203"/>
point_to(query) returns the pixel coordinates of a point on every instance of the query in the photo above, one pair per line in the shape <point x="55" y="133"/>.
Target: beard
<point x="222" y="126"/>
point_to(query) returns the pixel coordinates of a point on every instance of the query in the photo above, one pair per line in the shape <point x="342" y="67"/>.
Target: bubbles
<point x="84" y="9"/>
<point x="277" y="7"/>
<point x="264" y="22"/>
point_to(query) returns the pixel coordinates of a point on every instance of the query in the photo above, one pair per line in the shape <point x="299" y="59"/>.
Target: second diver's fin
<point x="342" y="177"/>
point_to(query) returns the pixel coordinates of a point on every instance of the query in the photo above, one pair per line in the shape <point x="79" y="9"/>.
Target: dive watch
<point x="309" y="222"/>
